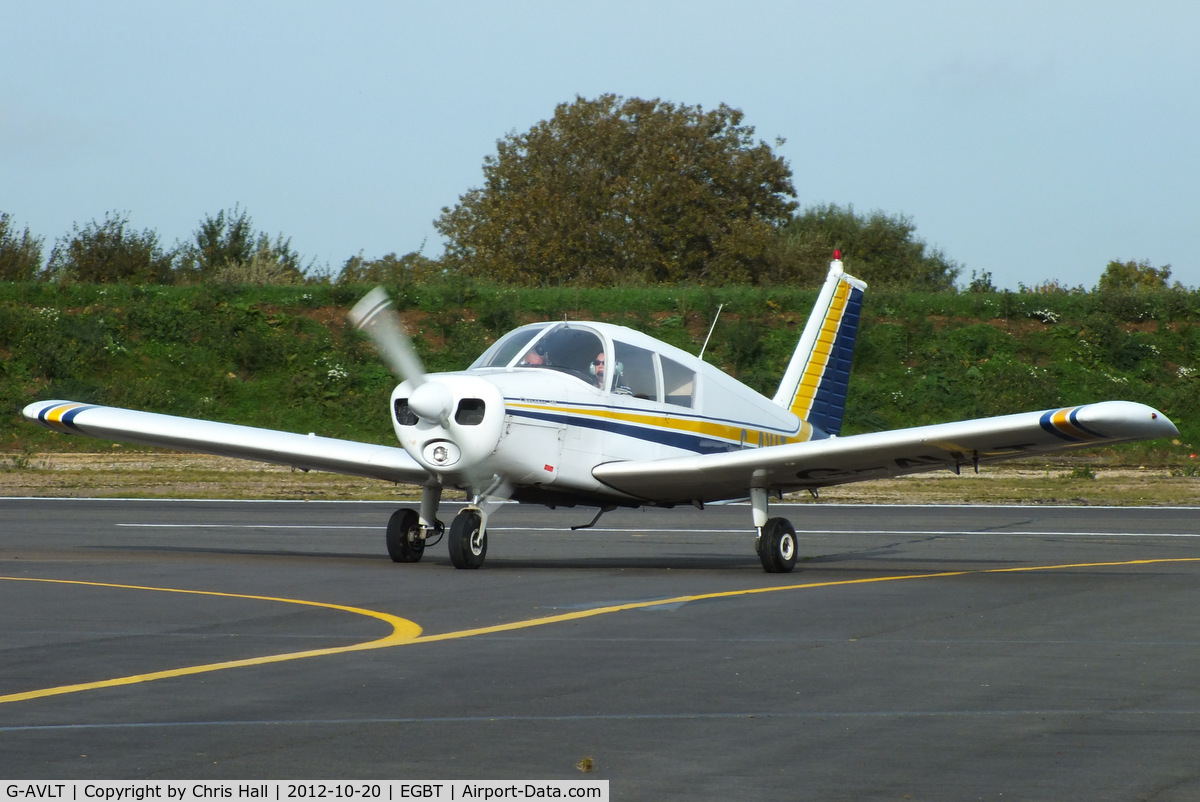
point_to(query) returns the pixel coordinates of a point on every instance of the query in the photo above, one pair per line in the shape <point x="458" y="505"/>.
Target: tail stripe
<point x="829" y="402"/>
<point x="820" y="396"/>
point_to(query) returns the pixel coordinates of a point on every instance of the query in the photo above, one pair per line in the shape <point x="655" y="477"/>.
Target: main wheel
<point x="468" y="540"/>
<point x="404" y="541"/>
<point x="777" y="546"/>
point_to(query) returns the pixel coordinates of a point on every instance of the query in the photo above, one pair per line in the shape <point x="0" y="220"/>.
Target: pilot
<point x="597" y="369"/>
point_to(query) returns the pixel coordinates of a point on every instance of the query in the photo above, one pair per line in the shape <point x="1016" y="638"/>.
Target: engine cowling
<point x="450" y="424"/>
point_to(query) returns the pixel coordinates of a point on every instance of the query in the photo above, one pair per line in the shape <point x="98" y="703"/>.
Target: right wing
<point x="840" y="460"/>
<point x="389" y="463"/>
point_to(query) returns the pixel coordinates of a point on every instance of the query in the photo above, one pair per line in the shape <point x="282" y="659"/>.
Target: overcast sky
<point x="1030" y="140"/>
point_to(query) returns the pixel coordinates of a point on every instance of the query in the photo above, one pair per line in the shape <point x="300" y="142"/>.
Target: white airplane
<point x="538" y="418"/>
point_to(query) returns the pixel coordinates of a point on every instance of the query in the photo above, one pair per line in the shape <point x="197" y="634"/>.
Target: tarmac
<point x="960" y="652"/>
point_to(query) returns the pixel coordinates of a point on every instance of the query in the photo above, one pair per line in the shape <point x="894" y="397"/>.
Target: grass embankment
<point x="283" y="357"/>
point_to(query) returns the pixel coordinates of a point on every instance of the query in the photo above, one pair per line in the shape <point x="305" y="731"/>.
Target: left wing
<point x="389" y="463"/>
<point x="839" y="460"/>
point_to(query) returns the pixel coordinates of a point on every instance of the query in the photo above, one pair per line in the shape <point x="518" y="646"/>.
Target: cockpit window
<point x="634" y="372"/>
<point x="574" y="350"/>
<point x="678" y="382"/>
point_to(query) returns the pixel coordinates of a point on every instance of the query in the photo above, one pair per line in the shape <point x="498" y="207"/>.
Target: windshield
<point x="508" y="347"/>
<point x="565" y="347"/>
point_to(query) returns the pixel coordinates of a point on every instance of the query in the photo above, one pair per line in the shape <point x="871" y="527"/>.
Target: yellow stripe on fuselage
<point x="822" y="349"/>
<point x="729" y="431"/>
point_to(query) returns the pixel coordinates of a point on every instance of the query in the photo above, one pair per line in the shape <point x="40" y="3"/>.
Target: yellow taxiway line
<point x="405" y="632"/>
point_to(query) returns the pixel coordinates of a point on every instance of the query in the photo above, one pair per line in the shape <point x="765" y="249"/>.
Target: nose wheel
<point x="468" y="539"/>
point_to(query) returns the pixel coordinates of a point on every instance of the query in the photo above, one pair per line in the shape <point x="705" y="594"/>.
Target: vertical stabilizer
<point x="815" y="383"/>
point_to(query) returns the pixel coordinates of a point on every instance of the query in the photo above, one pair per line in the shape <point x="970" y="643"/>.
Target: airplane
<point x="589" y="413"/>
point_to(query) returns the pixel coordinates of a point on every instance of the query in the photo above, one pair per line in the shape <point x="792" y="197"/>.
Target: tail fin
<point x="815" y="383"/>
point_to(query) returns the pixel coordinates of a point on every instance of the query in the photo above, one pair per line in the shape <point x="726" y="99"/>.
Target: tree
<point x="20" y="257"/>
<point x="227" y="249"/>
<point x="225" y="239"/>
<point x="615" y="190"/>
<point x="1133" y="276"/>
<point x="389" y="269"/>
<point x="269" y="263"/>
<point x="880" y="249"/>
<point x="110" y="252"/>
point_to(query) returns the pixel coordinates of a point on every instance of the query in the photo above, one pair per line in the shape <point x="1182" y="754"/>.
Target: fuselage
<point x="551" y="401"/>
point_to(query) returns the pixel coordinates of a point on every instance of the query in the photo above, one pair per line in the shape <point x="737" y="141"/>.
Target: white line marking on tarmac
<point x="692" y="530"/>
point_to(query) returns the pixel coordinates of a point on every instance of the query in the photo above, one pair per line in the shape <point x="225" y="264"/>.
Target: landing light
<point x="441" y="453"/>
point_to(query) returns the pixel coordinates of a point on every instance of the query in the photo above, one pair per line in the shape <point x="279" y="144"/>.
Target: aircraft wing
<point x="839" y="460"/>
<point x="389" y="463"/>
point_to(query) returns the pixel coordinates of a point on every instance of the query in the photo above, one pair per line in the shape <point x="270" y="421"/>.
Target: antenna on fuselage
<point x="710" y="330"/>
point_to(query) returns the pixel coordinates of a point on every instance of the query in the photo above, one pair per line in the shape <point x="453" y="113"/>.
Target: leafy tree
<point x="1133" y="276"/>
<point x="227" y="249"/>
<point x="110" y="252"/>
<point x="388" y="270"/>
<point x="269" y="263"/>
<point x="20" y="257"/>
<point x="225" y="239"/>
<point x="981" y="282"/>
<point x="882" y="249"/>
<point x="623" y="190"/>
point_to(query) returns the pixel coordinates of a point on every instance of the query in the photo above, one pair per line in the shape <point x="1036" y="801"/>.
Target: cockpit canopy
<point x="587" y="354"/>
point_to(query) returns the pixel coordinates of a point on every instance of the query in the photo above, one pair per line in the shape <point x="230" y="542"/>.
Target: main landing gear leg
<point x="408" y="531"/>
<point x="776" y="541"/>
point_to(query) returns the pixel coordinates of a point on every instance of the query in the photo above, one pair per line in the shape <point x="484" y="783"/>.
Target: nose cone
<point x="432" y="402"/>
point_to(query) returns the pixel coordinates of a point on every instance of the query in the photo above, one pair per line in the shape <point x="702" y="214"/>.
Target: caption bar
<point x="287" y="790"/>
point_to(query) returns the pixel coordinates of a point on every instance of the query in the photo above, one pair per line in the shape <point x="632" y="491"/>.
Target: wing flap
<point x="840" y="460"/>
<point x="307" y="452"/>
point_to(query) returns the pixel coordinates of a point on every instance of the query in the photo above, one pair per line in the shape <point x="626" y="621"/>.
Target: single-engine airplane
<point x="594" y="414"/>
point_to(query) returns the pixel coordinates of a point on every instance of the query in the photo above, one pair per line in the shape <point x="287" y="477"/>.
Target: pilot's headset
<point x="617" y="370"/>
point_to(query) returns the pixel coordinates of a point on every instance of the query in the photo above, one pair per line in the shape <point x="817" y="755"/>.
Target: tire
<point x="468" y="540"/>
<point x="777" y="546"/>
<point x="404" y="541"/>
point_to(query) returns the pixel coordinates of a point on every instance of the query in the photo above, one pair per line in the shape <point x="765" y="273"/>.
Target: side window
<point x="634" y="374"/>
<point x="679" y="383"/>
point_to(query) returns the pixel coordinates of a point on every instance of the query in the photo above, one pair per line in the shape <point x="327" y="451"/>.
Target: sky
<point x="1033" y="141"/>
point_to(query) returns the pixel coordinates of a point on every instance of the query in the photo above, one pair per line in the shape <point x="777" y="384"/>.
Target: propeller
<point x="459" y="448"/>
<point x="375" y="315"/>
<point x="438" y="441"/>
